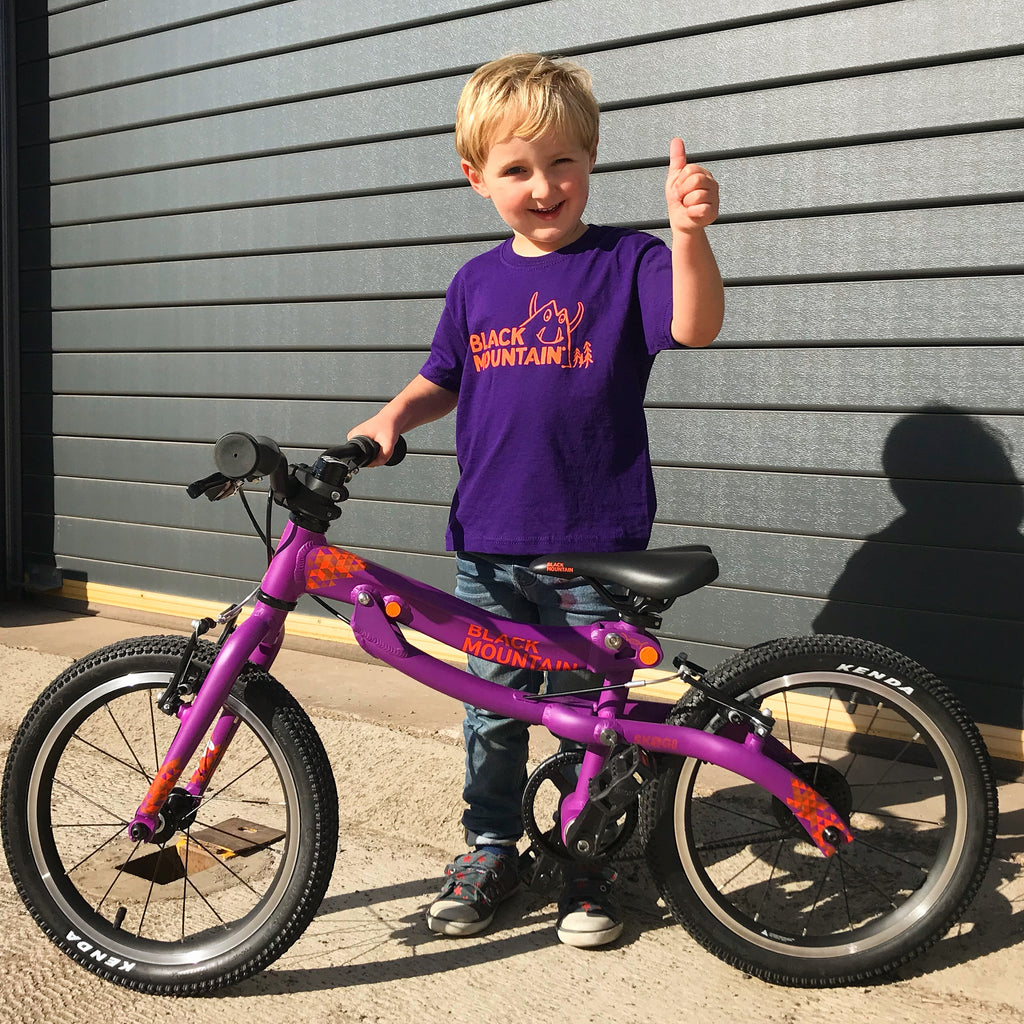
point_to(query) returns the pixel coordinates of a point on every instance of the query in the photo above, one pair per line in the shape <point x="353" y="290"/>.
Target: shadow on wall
<point x="944" y="582"/>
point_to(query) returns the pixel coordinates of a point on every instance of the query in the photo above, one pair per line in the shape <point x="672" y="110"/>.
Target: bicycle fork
<point x="261" y="632"/>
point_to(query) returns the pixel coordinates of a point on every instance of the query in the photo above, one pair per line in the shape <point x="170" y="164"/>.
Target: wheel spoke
<point x="846" y="895"/>
<point x="896" y="759"/>
<point x="76" y="825"/>
<point x="743" y="839"/>
<point x="726" y="883"/>
<point x="766" y="886"/>
<point x="137" y="768"/>
<point x="871" y="883"/>
<point x="89" y="800"/>
<point x="116" y="877"/>
<point x="867" y="844"/>
<point x="70" y="871"/>
<point x="217" y="794"/>
<point x="818" y="891"/>
<point x="852" y="705"/>
<point x="904" y="819"/>
<point x="127" y="742"/>
<point x="209" y="905"/>
<point x="212" y="851"/>
<point x="145" y="909"/>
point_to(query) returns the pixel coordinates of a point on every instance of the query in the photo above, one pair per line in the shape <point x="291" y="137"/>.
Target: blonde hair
<point x="527" y="95"/>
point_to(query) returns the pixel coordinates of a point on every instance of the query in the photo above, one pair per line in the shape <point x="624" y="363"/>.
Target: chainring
<point x="562" y="770"/>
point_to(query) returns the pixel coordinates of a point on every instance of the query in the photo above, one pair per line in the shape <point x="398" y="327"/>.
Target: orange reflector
<point x="392" y="609"/>
<point x="649" y="656"/>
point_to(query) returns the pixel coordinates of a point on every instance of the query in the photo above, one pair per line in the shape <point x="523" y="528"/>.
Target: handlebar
<point x="240" y="456"/>
<point x="310" y="493"/>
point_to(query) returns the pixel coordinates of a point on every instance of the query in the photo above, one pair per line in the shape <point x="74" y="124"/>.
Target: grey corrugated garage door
<point x="255" y="209"/>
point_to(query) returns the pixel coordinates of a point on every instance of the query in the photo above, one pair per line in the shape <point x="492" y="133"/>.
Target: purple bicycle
<point x="815" y="811"/>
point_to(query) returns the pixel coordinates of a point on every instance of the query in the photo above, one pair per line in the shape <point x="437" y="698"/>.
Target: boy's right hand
<point x="691" y="192"/>
<point x="419" y="402"/>
<point x="378" y="428"/>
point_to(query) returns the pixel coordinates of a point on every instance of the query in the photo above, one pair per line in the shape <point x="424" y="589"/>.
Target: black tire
<point x="902" y="762"/>
<point x="190" y="914"/>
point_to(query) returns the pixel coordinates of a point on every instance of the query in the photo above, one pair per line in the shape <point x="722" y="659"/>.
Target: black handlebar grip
<point x="239" y="455"/>
<point x="363" y="450"/>
<point x="370" y="450"/>
<point x="401" y="448"/>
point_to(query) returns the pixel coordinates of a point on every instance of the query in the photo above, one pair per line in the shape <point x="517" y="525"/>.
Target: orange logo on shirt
<point x="544" y="338"/>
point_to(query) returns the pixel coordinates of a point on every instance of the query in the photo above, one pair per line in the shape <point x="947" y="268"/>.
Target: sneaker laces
<point x="477" y="872"/>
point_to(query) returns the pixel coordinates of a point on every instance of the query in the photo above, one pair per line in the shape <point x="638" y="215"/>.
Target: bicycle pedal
<point x="540" y="872"/>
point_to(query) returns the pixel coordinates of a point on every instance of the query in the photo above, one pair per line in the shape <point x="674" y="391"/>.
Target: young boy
<point x="545" y="347"/>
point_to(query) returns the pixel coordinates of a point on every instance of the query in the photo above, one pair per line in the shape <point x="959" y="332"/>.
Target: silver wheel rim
<point x="153" y="951"/>
<point x="871" y="935"/>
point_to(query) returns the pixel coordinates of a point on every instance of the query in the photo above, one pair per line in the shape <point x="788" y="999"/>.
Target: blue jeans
<point x="497" y="748"/>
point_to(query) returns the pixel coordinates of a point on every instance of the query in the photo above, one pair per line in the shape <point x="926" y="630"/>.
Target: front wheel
<point x="893" y="752"/>
<point x="228" y="887"/>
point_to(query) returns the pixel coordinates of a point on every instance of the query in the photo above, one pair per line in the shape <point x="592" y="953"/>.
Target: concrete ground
<point x="369" y="957"/>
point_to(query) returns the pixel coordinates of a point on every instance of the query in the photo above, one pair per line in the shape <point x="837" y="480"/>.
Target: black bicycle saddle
<point x="663" y="573"/>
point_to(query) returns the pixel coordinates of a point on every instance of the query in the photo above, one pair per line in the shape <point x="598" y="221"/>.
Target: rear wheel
<point x="228" y="887"/>
<point x="895" y="755"/>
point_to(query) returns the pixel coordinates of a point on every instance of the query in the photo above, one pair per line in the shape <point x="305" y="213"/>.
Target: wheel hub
<point x="178" y="814"/>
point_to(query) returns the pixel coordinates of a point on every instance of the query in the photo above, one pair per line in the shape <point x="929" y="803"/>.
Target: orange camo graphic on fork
<point x="162" y="785"/>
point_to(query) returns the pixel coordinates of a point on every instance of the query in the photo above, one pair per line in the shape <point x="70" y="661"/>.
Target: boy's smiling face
<point x="539" y="189"/>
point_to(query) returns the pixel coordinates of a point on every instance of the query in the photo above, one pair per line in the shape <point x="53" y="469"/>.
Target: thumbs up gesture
<point x="690" y="192"/>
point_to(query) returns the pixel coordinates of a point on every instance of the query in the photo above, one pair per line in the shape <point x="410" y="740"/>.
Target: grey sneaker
<point x="475" y="884"/>
<point x="587" y="917"/>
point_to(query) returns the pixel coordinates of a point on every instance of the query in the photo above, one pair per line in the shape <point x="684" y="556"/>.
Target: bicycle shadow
<point x="524" y="925"/>
<point x="941" y="582"/>
<point x="361" y="929"/>
<point x="995" y="919"/>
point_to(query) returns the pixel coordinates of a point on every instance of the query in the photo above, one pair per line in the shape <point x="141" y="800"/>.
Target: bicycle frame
<point x="383" y="601"/>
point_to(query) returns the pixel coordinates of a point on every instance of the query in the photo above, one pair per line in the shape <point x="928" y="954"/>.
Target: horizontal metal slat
<point x="328" y="130"/>
<point x="988" y="449"/>
<point x="228" y="29"/>
<point x="921" y="172"/>
<point x="904" y="243"/>
<point x="889" y="570"/>
<point x="971" y="310"/>
<point x="972" y="378"/>
<point x="821" y="44"/>
<point x="943" y="513"/>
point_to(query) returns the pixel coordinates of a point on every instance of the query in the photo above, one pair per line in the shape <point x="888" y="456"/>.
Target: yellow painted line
<point x="1001" y="742"/>
<point x="311" y="627"/>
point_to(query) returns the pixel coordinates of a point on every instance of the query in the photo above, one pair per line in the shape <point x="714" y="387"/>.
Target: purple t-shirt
<point x="550" y="356"/>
